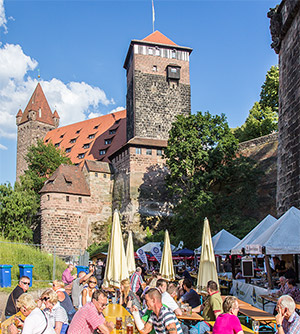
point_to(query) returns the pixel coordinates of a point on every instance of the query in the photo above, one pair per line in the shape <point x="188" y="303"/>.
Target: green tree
<point x="42" y="159"/>
<point x="18" y="208"/>
<point x="269" y="90"/>
<point x="207" y="178"/>
<point x="263" y="116"/>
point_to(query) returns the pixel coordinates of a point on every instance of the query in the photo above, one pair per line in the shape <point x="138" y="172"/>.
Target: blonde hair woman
<point x="127" y="297"/>
<point x="36" y="321"/>
<point x="64" y="298"/>
<point x="228" y="322"/>
<point x="88" y="291"/>
<point x="57" y="315"/>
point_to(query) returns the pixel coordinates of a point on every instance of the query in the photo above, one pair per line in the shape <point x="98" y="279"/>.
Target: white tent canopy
<point x="150" y="245"/>
<point x="253" y="234"/>
<point x="223" y="242"/>
<point x="283" y="236"/>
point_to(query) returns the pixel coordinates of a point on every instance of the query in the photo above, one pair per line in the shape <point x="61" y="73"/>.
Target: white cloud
<point x="2" y="147"/>
<point x="117" y="109"/>
<point x="74" y="101"/>
<point x="3" y="20"/>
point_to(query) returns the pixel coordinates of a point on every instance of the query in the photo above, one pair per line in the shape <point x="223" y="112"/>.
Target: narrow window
<point x="148" y="151"/>
<point x="159" y="152"/>
<point x="79" y="199"/>
<point x="104" y="176"/>
<point x="67" y="198"/>
<point x="138" y="150"/>
<point x="48" y="197"/>
<point x="96" y="174"/>
<point x="154" y="68"/>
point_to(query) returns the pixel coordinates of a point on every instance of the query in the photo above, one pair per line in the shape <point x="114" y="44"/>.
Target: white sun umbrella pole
<point x="166" y="265"/>
<point x="207" y="267"/>
<point x="116" y="265"/>
<point x="130" y="255"/>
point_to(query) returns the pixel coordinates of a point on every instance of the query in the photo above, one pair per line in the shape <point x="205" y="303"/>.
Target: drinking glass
<point x="118" y="323"/>
<point x="255" y="326"/>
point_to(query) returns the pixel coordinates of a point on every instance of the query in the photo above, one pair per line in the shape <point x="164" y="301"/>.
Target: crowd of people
<point x="75" y="305"/>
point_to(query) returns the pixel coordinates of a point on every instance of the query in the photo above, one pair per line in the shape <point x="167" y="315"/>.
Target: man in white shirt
<point x="167" y="300"/>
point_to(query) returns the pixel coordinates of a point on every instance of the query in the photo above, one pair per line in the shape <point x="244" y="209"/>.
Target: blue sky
<point x="79" y="48"/>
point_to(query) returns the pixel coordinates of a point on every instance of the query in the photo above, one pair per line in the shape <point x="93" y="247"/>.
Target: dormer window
<point x="108" y="141"/>
<point x="112" y="132"/>
<point x="80" y="155"/>
<point x="91" y="136"/>
<point x="78" y="131"/>
<point x="73" y="140"/>
<point x="57" y="144"/>
<point x="86" y="145"/>
<point x="102" y="152"/>
<point x="96" y="126"/>
<point x="62" y="136"/>
<point x="68" y="150"/>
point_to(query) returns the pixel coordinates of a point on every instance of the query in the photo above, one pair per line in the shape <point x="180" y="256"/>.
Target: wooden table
<point x="116" y="310"/>
<point x="5" y="324"/>
<point x="193" y="316"/>
<point x="266" y="299"/>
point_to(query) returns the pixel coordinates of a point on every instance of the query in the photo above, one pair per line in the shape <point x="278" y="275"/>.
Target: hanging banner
<point x="142" y="256"/>
<point x="156" y="251"/>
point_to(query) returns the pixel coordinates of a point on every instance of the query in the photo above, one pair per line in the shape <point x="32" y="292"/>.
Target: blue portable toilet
<point x="5" y="275"/>
<point x="82" y="268"/>
<point x="26" y="270"/>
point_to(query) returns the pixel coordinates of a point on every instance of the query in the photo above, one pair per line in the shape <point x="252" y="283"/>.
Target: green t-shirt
<point x="212" y="304"/>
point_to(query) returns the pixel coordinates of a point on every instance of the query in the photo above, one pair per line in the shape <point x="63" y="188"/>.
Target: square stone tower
<point x="158" y="86"/>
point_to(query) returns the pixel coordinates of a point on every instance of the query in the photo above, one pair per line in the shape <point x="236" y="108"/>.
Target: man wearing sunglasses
<point x="22" y="287"/>
<point x="90" y="318"/>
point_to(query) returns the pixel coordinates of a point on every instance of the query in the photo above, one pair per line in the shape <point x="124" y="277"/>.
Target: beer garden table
<point x="116" y="310"/>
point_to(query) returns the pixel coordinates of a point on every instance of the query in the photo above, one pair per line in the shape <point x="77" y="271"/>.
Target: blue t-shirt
<point x="192" y="298"/>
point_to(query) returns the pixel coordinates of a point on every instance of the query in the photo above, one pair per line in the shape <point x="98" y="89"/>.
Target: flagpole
<point x="153" y="16"/>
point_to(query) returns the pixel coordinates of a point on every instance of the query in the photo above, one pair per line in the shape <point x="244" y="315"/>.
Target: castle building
<point x="118" y="158"/>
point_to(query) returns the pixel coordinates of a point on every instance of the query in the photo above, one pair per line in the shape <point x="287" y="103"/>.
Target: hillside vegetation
<point x="15" y="254"/>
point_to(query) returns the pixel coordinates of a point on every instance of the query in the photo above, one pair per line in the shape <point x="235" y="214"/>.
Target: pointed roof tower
<point x="38" y="103"/>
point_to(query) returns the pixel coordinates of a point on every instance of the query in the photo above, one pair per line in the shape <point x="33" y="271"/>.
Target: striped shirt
<point x="164" y="319"/>
<point x="86" y="320"/>
<point x="291" y="326"/>
<point x="136" y="281"/>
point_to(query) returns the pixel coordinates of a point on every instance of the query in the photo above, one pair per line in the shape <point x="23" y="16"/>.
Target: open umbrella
<point x="116" y="265"/>
<point x="166" y="265"/>
<point x="207" y="268"/>
<point x="130" y="254"/>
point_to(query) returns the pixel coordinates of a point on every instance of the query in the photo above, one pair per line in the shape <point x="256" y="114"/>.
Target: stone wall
<point x="285" y="30"/>
<point x="263" y="150"/>
<point x="139" y="189"/>
<point x="28" y="134"/>
<point x="64" y="223"/>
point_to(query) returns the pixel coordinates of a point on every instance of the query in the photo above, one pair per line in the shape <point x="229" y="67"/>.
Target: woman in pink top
<point x="228" y="322"/>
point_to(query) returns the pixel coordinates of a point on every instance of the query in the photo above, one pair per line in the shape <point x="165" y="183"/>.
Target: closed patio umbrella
<point x="116" y="265"/>
<point x="207" y="268"/>
<point x="130" y="255"/>
<point x="166" y="265"/>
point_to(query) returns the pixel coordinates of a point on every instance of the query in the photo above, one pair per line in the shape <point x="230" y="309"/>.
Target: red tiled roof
<point x="158" y="37"/>
<point x="84" y="140"/>
<point x="19" y="113"/>
<point x="67" y="179"/>
<point x="99" y="166"/>
<point x="38" y="103"/>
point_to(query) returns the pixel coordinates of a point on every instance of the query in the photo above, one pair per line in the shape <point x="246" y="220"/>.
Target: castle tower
<point x="158" y="89"/>
<point x="158" y="86"/>
<point x="33" y="124"/>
